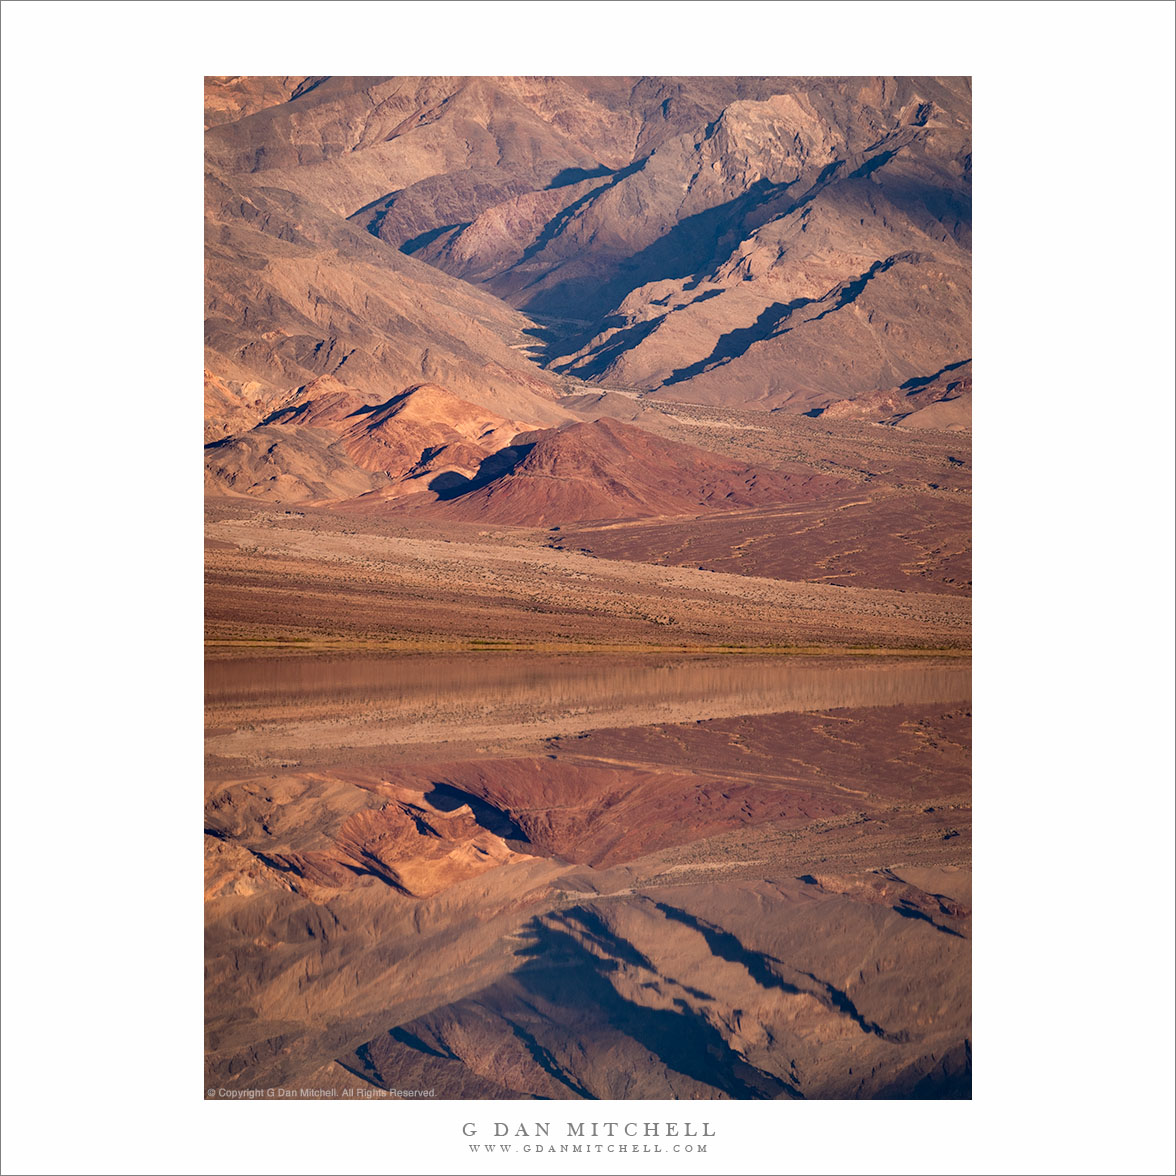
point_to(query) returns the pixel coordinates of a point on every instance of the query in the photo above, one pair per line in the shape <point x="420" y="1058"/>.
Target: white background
<point x="102" y="308"/>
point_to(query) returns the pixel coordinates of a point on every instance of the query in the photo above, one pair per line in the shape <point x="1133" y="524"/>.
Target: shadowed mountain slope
<point x="777" y="242"/>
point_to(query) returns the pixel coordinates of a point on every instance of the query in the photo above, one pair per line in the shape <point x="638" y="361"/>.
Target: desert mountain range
<point x="550" y="425"/>
<point x="500" y="247"/>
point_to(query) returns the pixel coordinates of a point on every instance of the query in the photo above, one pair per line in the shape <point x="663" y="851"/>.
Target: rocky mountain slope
<point x="768" y="241"/>
<point x="294" y="293"/>
<point x="334" y="445"/>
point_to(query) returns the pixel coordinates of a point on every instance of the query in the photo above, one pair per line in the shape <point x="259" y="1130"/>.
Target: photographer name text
<point x="609" y="1136"/>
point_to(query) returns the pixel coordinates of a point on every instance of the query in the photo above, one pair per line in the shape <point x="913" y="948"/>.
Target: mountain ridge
<point x="655" y="225"/>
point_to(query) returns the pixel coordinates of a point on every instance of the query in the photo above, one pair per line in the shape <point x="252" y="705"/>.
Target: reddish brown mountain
<point x="604" y="469"/>
<point x="604" y="815"/>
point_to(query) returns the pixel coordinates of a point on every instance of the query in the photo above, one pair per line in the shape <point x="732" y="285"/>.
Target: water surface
<point x="488" y="698"/>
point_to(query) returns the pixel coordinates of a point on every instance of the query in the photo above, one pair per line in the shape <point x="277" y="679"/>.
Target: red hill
<point x="604" y="469"/>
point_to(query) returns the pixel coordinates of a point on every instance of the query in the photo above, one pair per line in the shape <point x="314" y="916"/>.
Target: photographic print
<point x="587" y="588"/>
